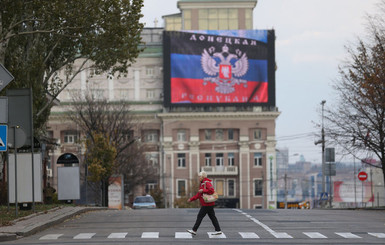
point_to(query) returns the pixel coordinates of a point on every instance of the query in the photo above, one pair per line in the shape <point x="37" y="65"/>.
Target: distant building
<point x="234" y="145"/>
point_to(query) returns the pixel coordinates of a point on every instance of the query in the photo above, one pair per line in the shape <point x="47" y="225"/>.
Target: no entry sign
<point x="362" y="176"/>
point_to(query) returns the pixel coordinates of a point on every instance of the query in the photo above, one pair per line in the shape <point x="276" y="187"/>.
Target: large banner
<point x="348" y="192"/>
<point x="219" y="67"/>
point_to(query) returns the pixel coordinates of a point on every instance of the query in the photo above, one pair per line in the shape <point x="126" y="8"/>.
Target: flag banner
<point x="219" y="67"/>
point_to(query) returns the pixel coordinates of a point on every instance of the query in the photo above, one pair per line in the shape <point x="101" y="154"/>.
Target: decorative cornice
<point x="211" y="115"/>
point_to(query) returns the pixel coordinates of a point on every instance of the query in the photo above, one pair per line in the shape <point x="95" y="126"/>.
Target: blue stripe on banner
<point x="189" y="66"/>
<point x="259" y="35"/>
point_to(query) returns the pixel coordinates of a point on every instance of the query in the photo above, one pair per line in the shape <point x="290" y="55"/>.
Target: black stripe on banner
<point x="195" y="44"/>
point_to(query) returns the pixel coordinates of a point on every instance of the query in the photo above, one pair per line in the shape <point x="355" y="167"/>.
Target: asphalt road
<point x="168" y="226"/>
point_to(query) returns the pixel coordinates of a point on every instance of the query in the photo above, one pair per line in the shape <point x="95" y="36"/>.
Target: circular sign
<point x="362" y="176"/>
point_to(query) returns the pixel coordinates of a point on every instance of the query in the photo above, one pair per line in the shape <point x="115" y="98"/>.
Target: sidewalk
<point x="39" y="221"/>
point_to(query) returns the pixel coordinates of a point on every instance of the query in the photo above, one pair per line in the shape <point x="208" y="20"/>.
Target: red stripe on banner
<point x="184" y="90"/>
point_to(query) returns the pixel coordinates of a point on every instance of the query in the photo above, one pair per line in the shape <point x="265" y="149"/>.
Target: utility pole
<point x="322" y="141"/>
<point x="323" y="151"/>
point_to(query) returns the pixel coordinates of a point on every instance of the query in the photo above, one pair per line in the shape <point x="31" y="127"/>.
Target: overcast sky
<point x="311" y="35"/>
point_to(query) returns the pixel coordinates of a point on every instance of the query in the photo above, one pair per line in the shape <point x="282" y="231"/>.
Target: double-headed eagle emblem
<point x="221" y="65"/>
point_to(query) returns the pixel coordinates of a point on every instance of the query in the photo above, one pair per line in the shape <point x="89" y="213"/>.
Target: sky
<point x="310" y="45"/>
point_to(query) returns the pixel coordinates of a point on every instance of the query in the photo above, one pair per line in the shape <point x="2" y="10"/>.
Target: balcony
<point x="220" y="170"/>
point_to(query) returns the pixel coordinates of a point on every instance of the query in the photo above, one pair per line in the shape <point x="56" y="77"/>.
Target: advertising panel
<point x="344" y="192"/>
<point x="68" y="183"/>
<point x="115" y="192"/>
<point x="24" y="178"/>
<point x="230" y="67"/>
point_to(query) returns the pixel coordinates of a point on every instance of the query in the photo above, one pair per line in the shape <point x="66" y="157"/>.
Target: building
<point x="234" y="145"/>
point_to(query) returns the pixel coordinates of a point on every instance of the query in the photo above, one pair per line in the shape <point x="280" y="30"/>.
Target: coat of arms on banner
<point x="226" y="71"/>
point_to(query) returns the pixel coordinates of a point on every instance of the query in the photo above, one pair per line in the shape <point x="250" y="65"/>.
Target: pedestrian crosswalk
<point x="210" y="235"/>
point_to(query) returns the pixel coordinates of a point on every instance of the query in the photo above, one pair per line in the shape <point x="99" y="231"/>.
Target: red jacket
<point x="207" y="188"/>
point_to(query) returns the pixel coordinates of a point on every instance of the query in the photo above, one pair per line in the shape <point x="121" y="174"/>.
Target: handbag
<point x="210" y="198"/>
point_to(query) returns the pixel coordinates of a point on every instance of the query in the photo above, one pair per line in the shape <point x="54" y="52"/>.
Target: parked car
<point x="144" y="202"/>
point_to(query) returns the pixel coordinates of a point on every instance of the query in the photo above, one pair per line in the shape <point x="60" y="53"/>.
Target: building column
<point x="244" y="173"/>
<point x="271" y="173"/>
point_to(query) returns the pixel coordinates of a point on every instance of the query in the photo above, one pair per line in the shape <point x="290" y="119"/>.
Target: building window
<point x="214" y="19"/>
<point x="181" y="185"/>
<point x="149" y="71"/>
<point x="150" y="186"/>
<point x="249" y="19"/>
<point x="181" y="160"/>
<point x="181" y="135"/>
<point x="219" y="159"/>
<point x="208" y="159"/>
<point x="230" y="158"/>
<point x="218" y="134"/>
<point x="151" y="136"/>
<point x="150" y="93"/>
<point x="70" y="137"/>
<point x="187" y="19"/>
<point x="258" y="186"/>
<point x="231" y="188"/>
<point x="257" y="134"/>
<point x="126" y="136"/>
<point x="230" y="134"/>
<point x="258" y="159"/>
<point x="124" y="94"/>
<point x="173" y="23"/>
<point x="207" y="134"/>
<point x="219" y="187"/>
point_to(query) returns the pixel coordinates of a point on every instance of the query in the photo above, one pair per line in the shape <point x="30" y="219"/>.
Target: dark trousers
<point x="202" y="213"/>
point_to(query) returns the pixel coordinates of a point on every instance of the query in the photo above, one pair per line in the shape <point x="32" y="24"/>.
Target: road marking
<point x="118" y="235"/>
<point x="248" y="235"/>
<point x="347" y="235"/>
<point x="50" y="237"/>
<point x="84" y="236"/>
<point x="268" y="229"/>
<point x="150" y="235"/>
<point x="378" y="235"/>
<point x="211" y="235"/>
<point x="183" y="235"/>
<point x="281" y="235"/>
<point x="314" y="235"/>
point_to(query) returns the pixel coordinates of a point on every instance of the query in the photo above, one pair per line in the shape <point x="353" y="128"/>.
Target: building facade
<point x="234" y="145"/>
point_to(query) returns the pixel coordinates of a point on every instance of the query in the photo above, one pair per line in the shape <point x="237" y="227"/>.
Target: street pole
<point x="323" y="152"/>
<point x="285" y="191"/>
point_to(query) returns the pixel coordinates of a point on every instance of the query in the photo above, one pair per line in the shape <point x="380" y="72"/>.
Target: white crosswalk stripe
<point x="212" y="235"/>
<point x="378" y="235"/>
<point x="150" y="235"/>
<point x="183" y="235"/>
<point x="248" y="235"/>
<point x="281" y="235"/>
<point x="84" y="236"/>
<point x="186" y="235"/>
<point x="314" y="235"/>
<point x="347" y="235"/>
<point x="50" y="237"/>
<point x="118" y="235"/>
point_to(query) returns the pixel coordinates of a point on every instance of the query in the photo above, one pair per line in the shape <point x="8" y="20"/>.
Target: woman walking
<point x="206" y="208"/>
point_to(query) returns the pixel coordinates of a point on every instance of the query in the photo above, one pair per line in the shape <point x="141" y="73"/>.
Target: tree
<point x="39" y="39"/>
<point x="357" y="122"/>
<point x="115" y="122"/>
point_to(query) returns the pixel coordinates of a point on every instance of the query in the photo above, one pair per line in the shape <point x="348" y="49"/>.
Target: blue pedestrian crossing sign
<point x="324" y="196"/>
<point x="3" y="137"/>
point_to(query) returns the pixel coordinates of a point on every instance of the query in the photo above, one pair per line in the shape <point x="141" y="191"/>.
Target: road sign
<point x="324" y="196"/>
<point x="20" y="137"/>
<point x="3" y="137"/>
<point x="362" y="176"/>
<point x="5" y="77"/>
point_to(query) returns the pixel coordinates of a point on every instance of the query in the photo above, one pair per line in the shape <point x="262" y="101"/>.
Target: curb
<point x="44" y="225"/>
